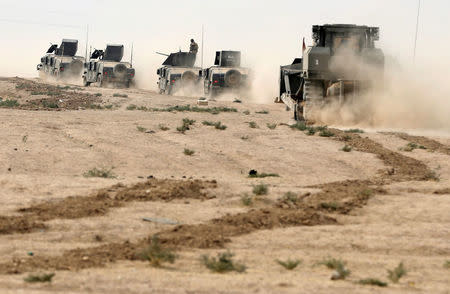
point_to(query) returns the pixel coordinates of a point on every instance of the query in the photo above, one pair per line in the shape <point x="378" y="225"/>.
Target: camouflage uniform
<point x="193" y="48"/>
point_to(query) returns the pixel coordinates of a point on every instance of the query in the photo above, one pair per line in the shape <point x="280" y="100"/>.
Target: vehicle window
<point x="95" y="65"/>
<point x="350" y="42"/>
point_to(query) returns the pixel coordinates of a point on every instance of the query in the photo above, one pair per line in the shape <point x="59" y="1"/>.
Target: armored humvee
<point x="178" y="72"/>
<point x="226" y="75"/>
<point x="61" y="62"/>
<point x="343" y="60"/>
<point x="106" y="68"/>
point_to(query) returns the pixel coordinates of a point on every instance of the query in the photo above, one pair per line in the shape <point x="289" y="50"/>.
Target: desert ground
<point x="380" y="204"/>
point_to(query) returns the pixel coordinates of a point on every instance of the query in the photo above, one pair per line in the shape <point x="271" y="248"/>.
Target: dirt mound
<point x="430" y="144"/>
<point x="75" y="259"/>
<point x="102" y="201"/>
<point x="444" y="191"/>
<point x="18" y="224"/>
<point x="403" y="168"/>
<point x="48" y="97"/>
<point x="219" y="231"/>
<point x="211" y="235"/>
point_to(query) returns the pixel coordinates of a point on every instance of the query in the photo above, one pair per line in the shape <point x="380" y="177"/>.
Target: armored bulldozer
<point x="226" y="75"/>
<point x="342" y="63"/>
<point x="178" y="72"/>
<point x="61" y="62"/>
<point x="106" y="67"/>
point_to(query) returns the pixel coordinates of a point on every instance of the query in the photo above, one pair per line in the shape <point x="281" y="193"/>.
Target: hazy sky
<point x="268" y="33"/>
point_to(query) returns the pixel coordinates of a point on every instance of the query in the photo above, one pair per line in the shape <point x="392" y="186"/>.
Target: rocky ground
<point x="82" y="167"/>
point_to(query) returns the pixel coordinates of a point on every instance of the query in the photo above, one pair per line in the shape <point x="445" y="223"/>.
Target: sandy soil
<point x="389" y="205"/>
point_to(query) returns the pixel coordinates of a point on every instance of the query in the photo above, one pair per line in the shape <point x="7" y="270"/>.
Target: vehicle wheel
<point x="298" y="112"/>
<point x="169" y="90"/>
<point x="233" y="78"/>
<point x="213" y="93"/>
<point x="85" y="82"/>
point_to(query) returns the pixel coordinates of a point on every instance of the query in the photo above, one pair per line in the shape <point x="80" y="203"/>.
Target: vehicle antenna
<point x="131" y="58"/>
<point x="203" y="31"/>
<point x="87" y="41"/>
<point x="417" y="31"/>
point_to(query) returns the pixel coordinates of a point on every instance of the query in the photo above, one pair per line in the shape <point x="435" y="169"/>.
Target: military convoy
<point x="61" y="62"/>
<point x="226" y="76"/>
<point x="178" y="72"/>
<point x="343" y="60"/>
<point x="329" y="71"/>
<point x="105" y="67"/>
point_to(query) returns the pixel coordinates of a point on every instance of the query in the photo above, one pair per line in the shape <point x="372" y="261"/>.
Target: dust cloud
<point x="405" y="96"/>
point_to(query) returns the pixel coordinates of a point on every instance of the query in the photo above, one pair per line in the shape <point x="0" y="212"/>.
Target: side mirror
<point x="158" y="71"/>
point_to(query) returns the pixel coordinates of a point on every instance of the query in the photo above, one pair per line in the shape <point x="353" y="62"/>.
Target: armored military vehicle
<point x="178" y="72"/>
<point x="61" y="62"/>
<point x="105" y="67"/>
<point x="226" y="75"/>
<point x="342" y="61"/>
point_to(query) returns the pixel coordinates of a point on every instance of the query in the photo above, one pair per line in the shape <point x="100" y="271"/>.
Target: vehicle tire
<point x="298" y="112"/>
<point x="120" y="70"/>
<point x="169" y="90"/>
<point x="188" y="78"/>
<point x="213" y="93"/>
<point x="233" y="78"/>
<point x="85" y="82"/>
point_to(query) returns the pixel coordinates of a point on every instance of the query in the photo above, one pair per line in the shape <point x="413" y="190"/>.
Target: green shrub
<point x="311" y="131"/>
<point x="49" y="104"/>
<point x="9" y="103"/>
<point x="188" y="108"/>
<point x="163" y="127"/>
<point x="188" y="152"/>
<point x="141" y="129"/>
<point x="120" y="95"/>
<point x="223" y="263"/>
<point x="358" y="131"/>
<point x="186" y="123"/>
<point x="131" y="107"/>
<point x="290" y="197"/>
<point x="301" y="126"/>
<point x="246" y="112"/>
<point x="373" y="282"/>
<point x="289" y="264"/>
<point x="326" y="133"/>
<point x="39" y="278"/>
<point x="260" y="189"/>
<point x="99" y="173"/>
<point x="218" y="125"/>
<point x="346" y="148"/>
<point x="333" y="206"/>
<point x="397" y="273"/>
<point x="155" y="254"/>
<point x="246" y="200"/>
<point x="339" y="266"/>
<point x="412" y="146"/>
<point x="262" y="112"/>
<point x="252" y="125"/>
<point x="271" y="126"/>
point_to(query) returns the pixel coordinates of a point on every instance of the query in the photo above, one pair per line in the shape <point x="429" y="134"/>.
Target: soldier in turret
<point x="193" y="48"/>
